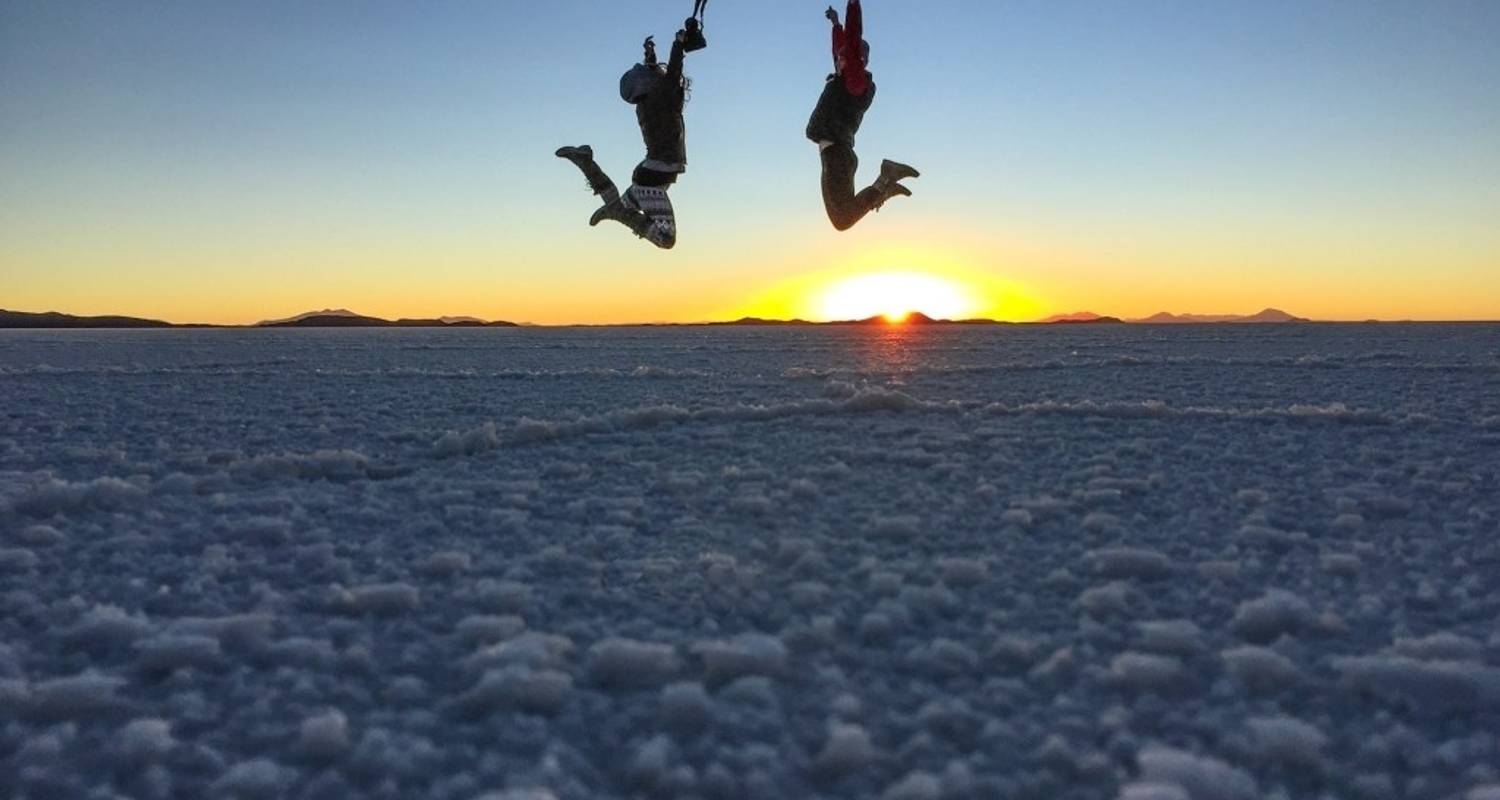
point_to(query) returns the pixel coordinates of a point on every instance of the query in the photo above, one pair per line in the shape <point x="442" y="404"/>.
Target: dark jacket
<point x="660" y="115"/>
<point x="839" y="113"/>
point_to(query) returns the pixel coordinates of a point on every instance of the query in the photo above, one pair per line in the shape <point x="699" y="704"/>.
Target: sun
<point x="895" y="296"/>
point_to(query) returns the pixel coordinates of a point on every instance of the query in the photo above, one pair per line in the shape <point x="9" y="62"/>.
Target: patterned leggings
<point x="654" y="203"/>
<point x="657" y="223"/>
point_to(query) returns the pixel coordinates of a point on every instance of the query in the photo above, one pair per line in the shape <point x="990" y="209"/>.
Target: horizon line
<point x="467" y="321"/>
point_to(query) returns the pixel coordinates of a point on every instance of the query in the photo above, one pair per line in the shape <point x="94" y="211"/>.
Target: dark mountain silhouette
<point x="761" y="321"/>
<point x="452" y="322"/>
<point x="914" y="318"/>
<point x="1264" y="316"/>
<point x="328" y="321"/>
<point x="352" y="320"/>
<point x="327" y="312"/>
<point x="54" y="319"/>
<point x="330" y="318"/>
<point x="1076" y="316"/>
<point x="1094" y="320"/>
<point x="446" y="322"/>
<point x="1274" y="315"/>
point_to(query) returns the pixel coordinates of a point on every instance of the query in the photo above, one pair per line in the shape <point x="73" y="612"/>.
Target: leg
<point x="844" y="207"/>
<point x="655" y="204"/>
<point x="599" y="183"/>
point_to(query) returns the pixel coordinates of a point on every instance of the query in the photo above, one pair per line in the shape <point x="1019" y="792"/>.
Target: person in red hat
<point x="847" y="95"/>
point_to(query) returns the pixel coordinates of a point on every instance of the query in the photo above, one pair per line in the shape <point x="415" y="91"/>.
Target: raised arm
<point x="674" y="61"/>
<point x="854" y="28"/>
<point x="838" y="38"/>
<point x="848" y="48"/>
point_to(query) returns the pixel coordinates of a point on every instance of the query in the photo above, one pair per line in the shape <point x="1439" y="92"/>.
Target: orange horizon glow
<point x="1024" y="277"/>
<point x="646" y="317"/>
<point x="892" y="280"/>
<point x="853" y="290"/>
<point x="782" y="302"/>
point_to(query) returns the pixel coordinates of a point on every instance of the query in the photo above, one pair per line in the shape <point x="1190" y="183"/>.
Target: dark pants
<point x="844" y="206"/>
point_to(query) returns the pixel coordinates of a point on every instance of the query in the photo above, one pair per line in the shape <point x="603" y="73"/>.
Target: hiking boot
<point x="889" y="182"/>
<point x="890" y="190"/>
<point x="895" y="171"/>
<point x="578" y="155"/>
<point x="631" y="218"/>
<point x="599" y="183"/>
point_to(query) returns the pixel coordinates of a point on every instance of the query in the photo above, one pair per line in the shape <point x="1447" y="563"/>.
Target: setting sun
<point x="896" y="295"/>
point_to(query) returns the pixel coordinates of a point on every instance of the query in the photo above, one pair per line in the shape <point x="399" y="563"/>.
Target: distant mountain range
<point x="1269" y="315"/>
<point x="1265" y="315"/>
<point x="914" y="318"/>
<point x="341" y="318"/>
<point x="327" y="318"/>
<point x="344" y="318"/>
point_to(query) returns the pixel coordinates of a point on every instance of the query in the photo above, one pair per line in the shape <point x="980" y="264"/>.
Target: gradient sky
<point x="202" y="160"/>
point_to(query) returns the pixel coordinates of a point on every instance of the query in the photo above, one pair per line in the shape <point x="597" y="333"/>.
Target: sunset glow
<point x="895" y="295"/>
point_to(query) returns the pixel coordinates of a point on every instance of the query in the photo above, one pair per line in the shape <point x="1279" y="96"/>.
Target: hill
<point x="53" y="319"/>
<point x="761" y="321"/>
<point x="1269" y="315"/>
<point x="914" y="318"/>
<point x="329" y="321"/>
<point x="1076" y="316"/>
<point x="343" y="318"/>
<point x="327" y="312"/>
<point x="1093" y="320"/>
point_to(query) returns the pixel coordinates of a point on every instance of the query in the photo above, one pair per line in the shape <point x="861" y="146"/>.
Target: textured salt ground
<point x="1144" y="563"/>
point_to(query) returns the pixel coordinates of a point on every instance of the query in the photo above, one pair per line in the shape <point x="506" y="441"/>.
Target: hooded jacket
<point x="659" y="113"/>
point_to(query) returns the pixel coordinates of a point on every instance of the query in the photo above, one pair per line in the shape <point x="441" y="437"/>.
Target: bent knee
<point x="841" y="215"/>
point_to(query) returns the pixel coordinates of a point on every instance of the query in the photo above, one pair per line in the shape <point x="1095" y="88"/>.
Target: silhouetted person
<point x="658" y="93"/>
<point x="846" y="97"/>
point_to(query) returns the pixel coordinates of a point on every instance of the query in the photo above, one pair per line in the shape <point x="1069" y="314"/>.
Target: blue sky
<point x="380" y="150"/>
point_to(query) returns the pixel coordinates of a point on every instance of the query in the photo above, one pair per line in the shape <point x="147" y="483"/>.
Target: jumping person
<point x="658" y="94"/>
<point x="846" y="97"/>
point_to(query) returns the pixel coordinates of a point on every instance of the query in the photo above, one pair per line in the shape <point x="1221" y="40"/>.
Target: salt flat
<point x="908" y="563"/>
